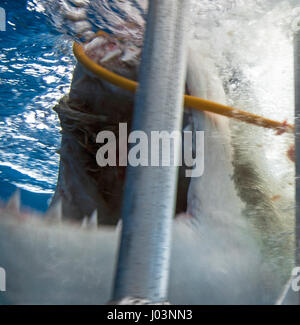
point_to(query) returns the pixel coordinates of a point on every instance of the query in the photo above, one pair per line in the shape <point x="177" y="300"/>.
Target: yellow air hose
<point x="189" y="101"/>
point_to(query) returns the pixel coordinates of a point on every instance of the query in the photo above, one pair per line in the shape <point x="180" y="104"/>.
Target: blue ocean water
<point x="36" y="65"/>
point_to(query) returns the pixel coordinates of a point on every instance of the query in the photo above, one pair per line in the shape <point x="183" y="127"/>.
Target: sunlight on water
<point x="250" y="42"/>
<point x="36" y="67"/>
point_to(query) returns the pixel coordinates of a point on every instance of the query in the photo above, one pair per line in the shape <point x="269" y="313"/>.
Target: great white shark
<point x="233" y="234"/>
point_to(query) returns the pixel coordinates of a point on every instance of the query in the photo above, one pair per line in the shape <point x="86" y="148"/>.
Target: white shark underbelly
<point x="66" y="265"/>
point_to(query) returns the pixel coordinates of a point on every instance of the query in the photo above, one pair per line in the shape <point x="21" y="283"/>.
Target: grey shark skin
<point x="221" y="252"/>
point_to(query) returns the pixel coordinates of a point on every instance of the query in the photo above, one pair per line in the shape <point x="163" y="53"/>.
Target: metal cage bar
<point x="297" y="145"/>
<point x="150" y="192"/>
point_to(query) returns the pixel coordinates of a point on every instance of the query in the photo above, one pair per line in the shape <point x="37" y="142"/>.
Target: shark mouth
<point x="94" y="105"/>
<point x="231" y="237"/>
<point x="118" y="55"/>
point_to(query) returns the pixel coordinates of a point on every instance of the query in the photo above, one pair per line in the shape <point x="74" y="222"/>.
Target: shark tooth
<point x="110" y="55"/>
<point x="97" y="42"/>
<point x="131" y="56"/>
<point x="54" y="213"/>
<point x="90" y="222"/>
<point x="119" y="226"/>
<point x="93" y="220"/>
<point x="84" y="223"/>
<point x="14" y="203"/>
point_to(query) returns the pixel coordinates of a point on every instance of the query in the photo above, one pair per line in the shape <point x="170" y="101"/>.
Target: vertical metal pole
<point x="297" y="146"/>
<point x="150" y="192"/>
